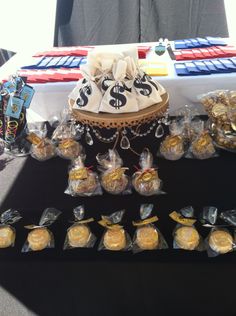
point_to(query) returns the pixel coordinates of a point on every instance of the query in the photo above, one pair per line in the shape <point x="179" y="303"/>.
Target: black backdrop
<point x="88" y="282"/>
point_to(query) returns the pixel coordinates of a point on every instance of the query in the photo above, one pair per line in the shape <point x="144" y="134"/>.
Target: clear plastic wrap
<point x="66" y="137"/>
<point x="42" y="147"/>
<point x="113" y="177"/>
<point x="7" y="232"/>
<point x="82" y="181"/>
<point x="40" y="237"/>
<point x="202" y="146"/>
<point x="221" y="108"/>
<point x="146" y="180"/>
<point x="185" y="235"/>
<point x="79" y="235"/>
<point x="173" y="146"/>
<point x="220" y="240"/>
<point x="115" y="237"/>
<point x="147" y="236"/>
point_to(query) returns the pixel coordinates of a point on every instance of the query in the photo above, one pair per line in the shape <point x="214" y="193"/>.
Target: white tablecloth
<point x="51" y="98"/>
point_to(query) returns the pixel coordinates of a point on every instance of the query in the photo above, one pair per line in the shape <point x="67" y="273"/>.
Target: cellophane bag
<point x="82" y="181"/>
<point x="201" y="143"/>
<point x="221" y="238"/>
<point x="7" y="231"/>
<point x="146" y="180"/>
<point x="173" y="146"/>
<point x="115" y="237"/>
<point x="79" y="235"/>
<point x="40" y="237"/>
<point x="113" y="178"/>
<point x="66" y="136"/>
<point x="185" y="234"/>
<point x="42" y="148"/>
<point x="147" y="236"/>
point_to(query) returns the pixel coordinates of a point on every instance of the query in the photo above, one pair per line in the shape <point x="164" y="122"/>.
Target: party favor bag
<point x="7" y="232"/>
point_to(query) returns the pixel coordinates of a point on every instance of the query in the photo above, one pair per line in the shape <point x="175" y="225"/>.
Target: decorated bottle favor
<point x="147" y="236"/>
<point x="173" y="146"/>
<point x="42" y="147"/>
<point x="7" y="232"/>
<point x="185" y="235"/>
<point x="79" y="235"/>
<point x="113" y="177"/>
<point x="40" y="237"/>
<point x="82" y="180"/>
<point x="220" y="239"/>
<point x="115" y="237"/>
<point x="66" y="137"/>
<point x="146" y="180"/>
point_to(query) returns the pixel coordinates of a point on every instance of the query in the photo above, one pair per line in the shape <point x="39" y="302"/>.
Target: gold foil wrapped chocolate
<point x="69" y="149"/>
<point x="221" y="108"/>
<point x="82" y="181"/>
<point x="42" y="148"/>
<point x="113" y="177"/>
<point x="146" y="180"/>
<point x="202" y="147"/>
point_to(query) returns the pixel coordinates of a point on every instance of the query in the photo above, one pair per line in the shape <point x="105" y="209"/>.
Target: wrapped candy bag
<point x="86" y="94"/>
<point x="115" y="237"/>
<point x="42" y="147"/>
<point x="173" y="146"/>
<point x="79" y="234"/>
<point x="7" y="232"/>
<point x="146" y="180"/>
<point x="113" y="177"/>
<point x="220" y="240"/>
<point x="202" y="146"/>
<point x="66" y="136"/>
<point x="185" y="234"/>
<point x="146" y="90"/>
<point x="82" y="181"/>
<point x="118" y="97"/>
<point x="40" y="237"/>
<point x="147" y="236"/>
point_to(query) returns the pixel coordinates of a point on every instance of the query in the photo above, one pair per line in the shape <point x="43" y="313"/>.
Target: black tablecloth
<point x="88" y="282"/>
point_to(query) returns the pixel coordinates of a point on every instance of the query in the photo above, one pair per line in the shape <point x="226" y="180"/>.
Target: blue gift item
<point x="180" y="44"/>
<point x="10" y="86"/>
<point x="212" y="68"/>
<point x="203" y="42"/>
<point x="216" y="41"/>
<point x="68" y="62"/>
<point x="53" y="62"/>
<point x="62" y="61"/>
<point x="44" y="63"/>
<point x="195" y="42"/>
<point x="189" y="44"/>
<point x="181" y="69"/>
<point x="228" y="64"/>
<point x="192" y="69"/>
<point x="34" y="63"/>
<point x="220" y="67"/>
<point x="27" y="94"/>
<point x="14" y="107"/>
<point x="75" y="62"/>
<point x="202" y="67"/>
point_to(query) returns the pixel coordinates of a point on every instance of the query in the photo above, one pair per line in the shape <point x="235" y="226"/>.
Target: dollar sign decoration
<point x="119" y="99"/>
<point x="145" y="89"/>
<point x="149" y="79"/>
<point x="104" y="83"/>
<point x="84" y="92"/>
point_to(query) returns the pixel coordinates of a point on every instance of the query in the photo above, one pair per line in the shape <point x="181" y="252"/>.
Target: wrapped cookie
<point x="201" y="146"/>
<point x="146" y="180"/>
<point x="42" y="147"/>
<point x="221" y="238"/>
<point x="79" y="235"/>
<point x="115" y="237"/>
<point x="82" y="181"/>
<point x="7" y="232"/>
<point x="147" y="236"/>
<point x="173" y="146"/>
<point x="40" y="237"/>
<point x="66" y="137"/>
<point x="113" y="177"/>
<point x="185" y="235"/>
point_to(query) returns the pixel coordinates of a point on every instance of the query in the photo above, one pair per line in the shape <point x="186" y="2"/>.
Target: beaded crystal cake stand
<point x="126" y="126"/>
